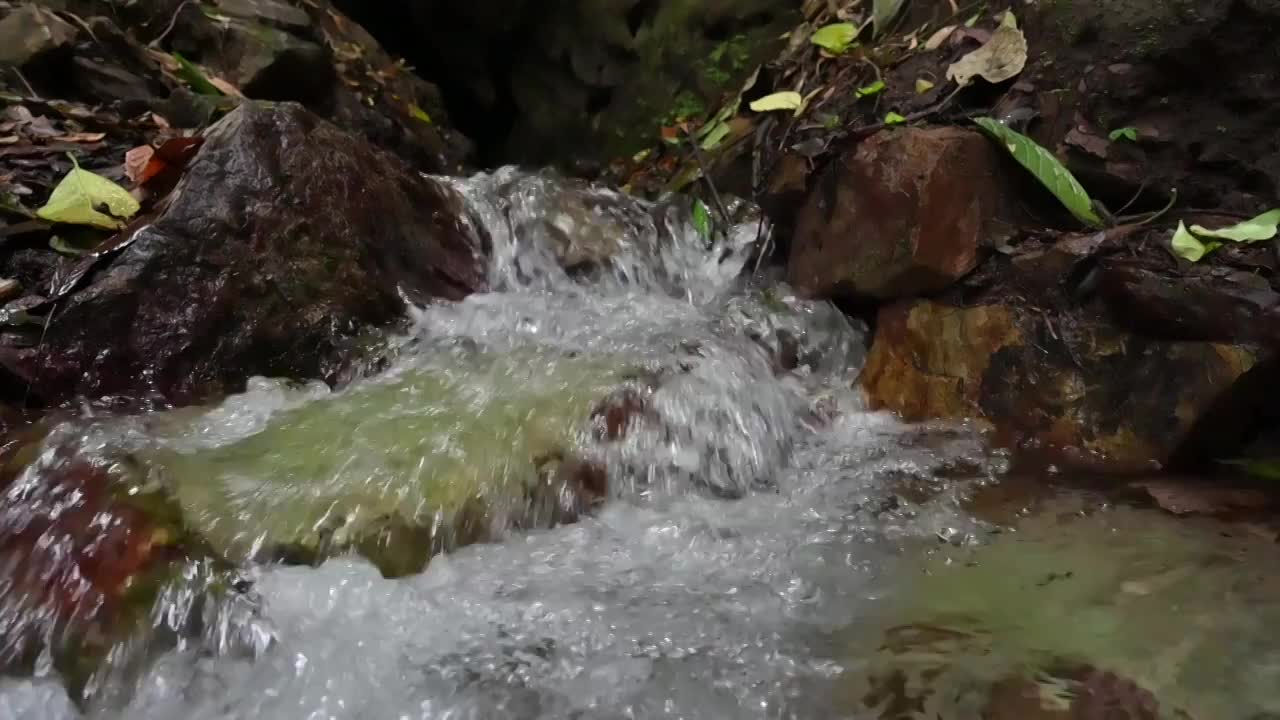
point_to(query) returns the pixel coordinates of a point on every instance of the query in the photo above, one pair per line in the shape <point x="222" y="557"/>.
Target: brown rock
<point x="1067" y="383"/>
<point x="31" y="31"/>
<point x="907" y="212"/>
<point x="286" y="241"/>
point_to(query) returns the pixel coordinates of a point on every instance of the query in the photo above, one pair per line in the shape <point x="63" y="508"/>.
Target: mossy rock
<point x="395" y="469"/>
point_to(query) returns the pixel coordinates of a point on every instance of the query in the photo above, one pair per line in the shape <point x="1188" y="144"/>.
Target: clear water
<point x="768" y="548"/>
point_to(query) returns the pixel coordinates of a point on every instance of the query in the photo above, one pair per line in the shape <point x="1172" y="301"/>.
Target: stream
<point x="768" y="547"/>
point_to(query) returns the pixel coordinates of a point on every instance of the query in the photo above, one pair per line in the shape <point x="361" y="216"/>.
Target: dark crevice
<point x="641" y="14"/>
<point x="486" y="118"/>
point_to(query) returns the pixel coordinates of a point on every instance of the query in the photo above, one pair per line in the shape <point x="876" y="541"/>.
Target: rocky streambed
<point x="316" y="433"/>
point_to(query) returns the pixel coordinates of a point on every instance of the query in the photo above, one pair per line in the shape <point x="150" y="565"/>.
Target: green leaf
<point x="1188" y="246"/>
<point x="1124" y="133"/>
<point x="715" y="136"/>
<point x="192" y="75"/>
<point x="59" y="244"/>
<point x="923" y="86"/>
<point x="893" y="118"/>
<point x="701" y="218"/>
<point x="77" y="199"/>
<point x="778" y="101"/>
<point x="835" y="39"/>
<point x="874" y="88"/>
<point x="1259" y="468"/>
<point x="1258" y="229"/>
<point x="418" y="113"/>
<point x="883" y="12"/>
<point x="1046" y="168"/>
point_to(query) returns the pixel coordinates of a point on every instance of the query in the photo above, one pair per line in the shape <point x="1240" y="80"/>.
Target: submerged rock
<point x="284" y="242"/>
<point x="396" y="469"/>
<point x="906" y="212"/>
<point x="1070" y="383"/>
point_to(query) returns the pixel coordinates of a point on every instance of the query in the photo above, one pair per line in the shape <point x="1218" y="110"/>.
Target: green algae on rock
<point x="1123" y="601"/>
<point x="396" y="469"/>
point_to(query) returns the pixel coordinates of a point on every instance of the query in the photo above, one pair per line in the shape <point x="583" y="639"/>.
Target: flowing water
<point x="767" y="548"/>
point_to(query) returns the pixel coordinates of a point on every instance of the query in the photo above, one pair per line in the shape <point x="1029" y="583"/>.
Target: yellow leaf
<point x="81" y="195"/>
<point x="418" y="113"/>
<point x="923" y="86"/>
<point x="778" y="101"/>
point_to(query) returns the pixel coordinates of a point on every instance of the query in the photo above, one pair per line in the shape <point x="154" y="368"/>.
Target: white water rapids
<point x="754" y="547"/>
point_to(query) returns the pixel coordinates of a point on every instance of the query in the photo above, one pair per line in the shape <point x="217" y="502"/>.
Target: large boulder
<point x="1067" y="383"/>
<point x="286" y="240"/>
<point x="906" y="212"/>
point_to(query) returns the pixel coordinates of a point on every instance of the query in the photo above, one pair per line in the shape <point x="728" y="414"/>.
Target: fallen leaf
<point x="8" y="139"/>
<point x="9" y="289"/>
<point x="701" y="218"/>
<point x="136" y="161"/>
<point x="1046" y="168"/>
<point x="60" y="245"/>
<point x="1257" y="229"/>
<point x="1087" y="142"/>
<point x="787" y="100"/>
<point x="225" y="87"/>
<point x="192" y="75"/>
<point x="718" y="133"/>
<point x="894" y="118"/>
<point x="940" y="36"/>
<point x="883" y="12"/>
<point x="836" y="38"/>
<point x="1002" y="58"/>
<point x="83" y="137"/>
<point x="1188" y="246"/>
<point x="923" y="86"/>
<point x="77" y="199"/>
<point x="1257" y="467"/>
<point x="418" y="113"/>
<point x="874" y="88"/>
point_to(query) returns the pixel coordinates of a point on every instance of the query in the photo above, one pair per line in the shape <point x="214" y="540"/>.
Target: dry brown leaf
<point x="226" y="87"/>
<point x="8" y="139"/>
<point x="935" y="40"/>
<point x="135" y="162"/>
<point x="1002" y="58"/>
<point x="83" y="137"/>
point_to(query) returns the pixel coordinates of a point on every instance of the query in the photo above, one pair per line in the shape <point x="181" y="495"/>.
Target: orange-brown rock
<point x="908" y="211"/>
<point x="1065" y="383"/>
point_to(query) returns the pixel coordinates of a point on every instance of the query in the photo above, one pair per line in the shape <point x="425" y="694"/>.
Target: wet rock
<point x="81" y="554"/>
<point x="1069" y="382"/>
<point x="396" y="469"/>
<point x="908" y="211"/>
<point x="286" y="241"/>
<point x="30" y="32"/>
<point x="1081" y="693"/>
<point x="268" y="63"/>
<point x="1202" y="303"/>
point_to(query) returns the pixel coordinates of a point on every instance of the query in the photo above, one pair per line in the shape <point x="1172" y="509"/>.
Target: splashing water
<point x="755" y="550"/>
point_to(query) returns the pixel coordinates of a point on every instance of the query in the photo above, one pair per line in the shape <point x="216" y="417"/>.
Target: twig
<point x="918" y="115"/>
<point x="715" y="194"/>
<point x="79" y="21"/>
<point x="173" y="21"/>
<point x="48" y="320"/>
<point x="34" y="95"/>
